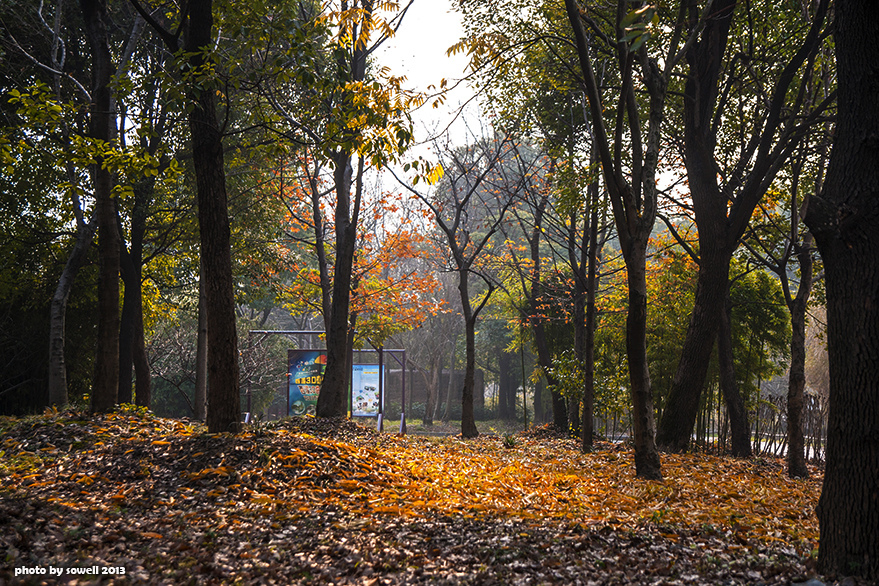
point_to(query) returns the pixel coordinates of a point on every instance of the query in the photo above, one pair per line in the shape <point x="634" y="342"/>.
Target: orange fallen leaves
<point x="751" y="497"/>
<point x="281" y="472"/>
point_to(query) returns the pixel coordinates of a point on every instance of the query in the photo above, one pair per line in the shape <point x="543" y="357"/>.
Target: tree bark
<point x="845" y="223"/>
<point x="796" y="444"/>
<point x="331" y="401"/>
<point x="559" y="408"/>
<point x="223" y="396"/>
<point x="58" y="312"/>
<point x="451" y="386"/>
<point x="632" y="190"/>
<point x="436" y="367"/>
<point x="647" y="464"/>
<point x="588" y="429"/>
<point x="101" y="128"/>
<point x="720" y="222"/>
<point x="468" y="420"/>
<point x="735" y="405"/>
<point x="200" y="399"/>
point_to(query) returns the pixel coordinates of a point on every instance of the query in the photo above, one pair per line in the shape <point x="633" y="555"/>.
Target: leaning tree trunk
<point x="223" y="395"/>
<point x="101" y="129"/>
<point x="58" y="313"/>
<point x="845" y="223"/>
<point x="682" y="406"/>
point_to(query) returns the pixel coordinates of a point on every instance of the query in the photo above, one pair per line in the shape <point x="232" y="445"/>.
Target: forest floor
<point x="85" y="499"/>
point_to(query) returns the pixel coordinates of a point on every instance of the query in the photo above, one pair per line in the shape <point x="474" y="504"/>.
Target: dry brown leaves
<point x="166" y="501"/>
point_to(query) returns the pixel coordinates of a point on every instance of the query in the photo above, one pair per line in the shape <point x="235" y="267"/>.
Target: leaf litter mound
<point x="312" y="501"/>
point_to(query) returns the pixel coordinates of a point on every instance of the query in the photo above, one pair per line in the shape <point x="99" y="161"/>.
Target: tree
<point x="631" y="184"/>
<point x="102" y="122"/>
<point x="196" y="25"/>
<point x="474" y="196"/>
<point x="844" y="218"/>
<point x="735" y="166"/>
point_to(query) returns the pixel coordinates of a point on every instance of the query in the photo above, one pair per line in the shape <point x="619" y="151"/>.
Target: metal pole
<point x="403" y="393"/>
<point x="381" y="390"/>
<point x="524" y="392"/>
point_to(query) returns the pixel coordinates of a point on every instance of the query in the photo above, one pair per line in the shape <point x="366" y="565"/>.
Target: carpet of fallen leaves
<point x="313" y="501"/>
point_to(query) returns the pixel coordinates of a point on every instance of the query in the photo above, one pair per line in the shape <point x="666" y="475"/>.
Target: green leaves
<point x="638" y="26"/>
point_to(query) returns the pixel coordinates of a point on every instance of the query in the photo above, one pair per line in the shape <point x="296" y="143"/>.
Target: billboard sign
<point x="305" y="369"/>
<point x="365" y="399"/>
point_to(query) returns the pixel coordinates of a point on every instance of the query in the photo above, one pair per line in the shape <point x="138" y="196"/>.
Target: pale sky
<point x="418" y="51"/>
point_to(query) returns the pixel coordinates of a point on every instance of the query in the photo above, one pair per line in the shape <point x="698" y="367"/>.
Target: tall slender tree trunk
<point x="201" y="353"/>
<point x="588" y="428"/>
<point x="223" y="400"/>
<point x="559" y="408"/>
<point x="796" y="443"/>
<point x="468" y="420"/>
<point x="845" y="223"/>
<point x="131" y="337"/>
<point x="506" y="386"/>
<point x="735" y="405"/>
<point x="436" y="367"/>
<point x="101" y="128"/>
<point x="127" y="328"/>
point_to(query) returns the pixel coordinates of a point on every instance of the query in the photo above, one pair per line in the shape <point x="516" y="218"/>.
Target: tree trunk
<point x="559" y="408"/>
<point x="705" y="59"/>
<point x="127" y="328"/>
<point x="131" y="342"/>
<point x="468" y="421"/>
<point x="845" y="224"/>
<point x="796" y="445"/>
<point x="201" y="352"/>
<point x="58" y="313"/>
<point x="735" y="404"/>
<point x="587" y="357"/>
<point x="101" y="128"/>
<point x="331" y="401"/>
<point x="647" y="464"/>
<point x="143" y="382"/>
<point x="682" y="406"/>
<point x="223" y="395"/>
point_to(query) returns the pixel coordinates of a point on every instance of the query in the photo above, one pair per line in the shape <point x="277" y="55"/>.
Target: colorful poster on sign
<point x="364" y="390"/>
<point x="306" y="372"/>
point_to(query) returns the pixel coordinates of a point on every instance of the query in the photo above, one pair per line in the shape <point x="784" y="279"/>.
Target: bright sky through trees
<point x="418" y="51"/>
